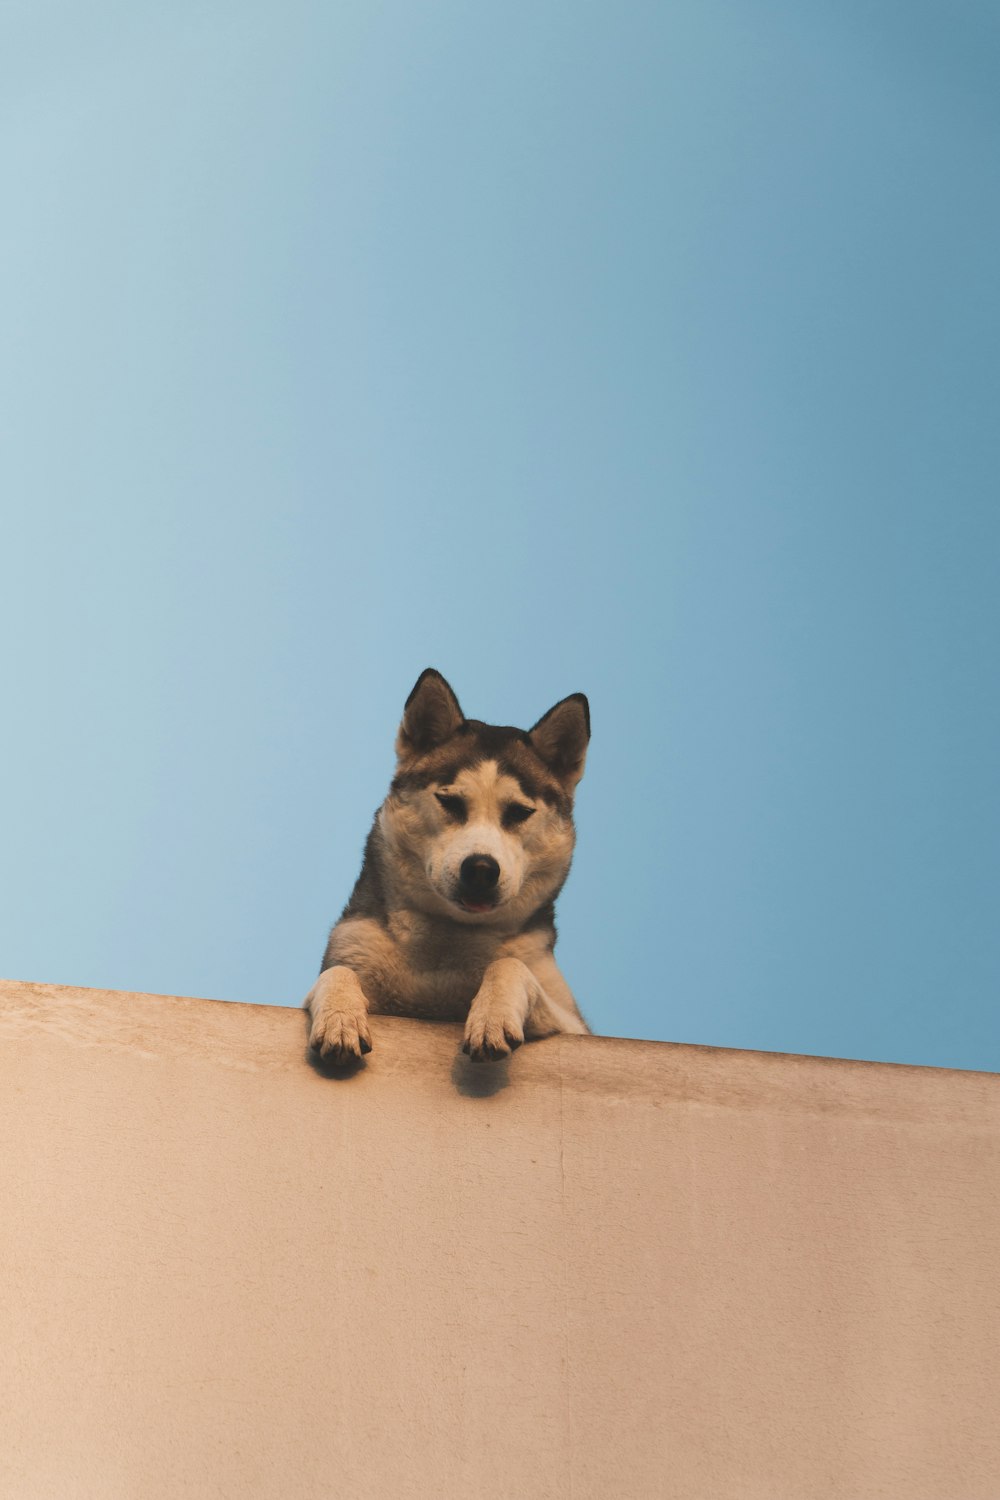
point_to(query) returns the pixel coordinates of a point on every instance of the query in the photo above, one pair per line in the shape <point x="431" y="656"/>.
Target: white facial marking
<point x="427" y="847"/>
<point x="485" y="793"/>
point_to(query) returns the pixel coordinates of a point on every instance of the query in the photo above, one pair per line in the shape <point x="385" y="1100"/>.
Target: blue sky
<point x="644" y="350"/>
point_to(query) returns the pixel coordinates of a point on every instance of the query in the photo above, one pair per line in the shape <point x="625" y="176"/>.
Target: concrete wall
<point x="613" y="1269"/>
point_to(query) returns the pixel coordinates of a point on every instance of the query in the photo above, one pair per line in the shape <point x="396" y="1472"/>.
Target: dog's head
<point x="479" y="817"/>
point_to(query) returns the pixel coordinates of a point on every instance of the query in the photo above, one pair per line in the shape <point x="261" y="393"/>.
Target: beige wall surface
<point x="613" y="1269"/>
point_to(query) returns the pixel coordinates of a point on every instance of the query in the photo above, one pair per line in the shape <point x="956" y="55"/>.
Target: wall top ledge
<point x="234" y="1035"/>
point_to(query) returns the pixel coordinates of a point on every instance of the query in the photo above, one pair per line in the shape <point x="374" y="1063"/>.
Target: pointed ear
<point x="561" y="738"/>
<point x="431" y="716"/>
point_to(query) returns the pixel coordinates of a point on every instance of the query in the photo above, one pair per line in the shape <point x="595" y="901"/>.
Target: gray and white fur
<point x="452" y="917"/>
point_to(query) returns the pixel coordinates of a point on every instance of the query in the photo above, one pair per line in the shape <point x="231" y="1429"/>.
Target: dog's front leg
<point x="339" y="1013"/>
<point x="495" y="1024"/>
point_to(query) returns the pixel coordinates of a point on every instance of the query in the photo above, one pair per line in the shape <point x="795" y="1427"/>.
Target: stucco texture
<point x="611" y="1269"/>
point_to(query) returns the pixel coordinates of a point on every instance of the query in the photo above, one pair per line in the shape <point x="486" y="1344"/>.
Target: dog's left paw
<point x="491" y="1036"/>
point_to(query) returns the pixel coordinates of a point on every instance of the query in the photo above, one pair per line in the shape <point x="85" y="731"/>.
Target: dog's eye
<point x="453" y="806"/>
<point x="516" y="812"/>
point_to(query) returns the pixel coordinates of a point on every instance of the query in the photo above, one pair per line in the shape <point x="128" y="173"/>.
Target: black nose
<point x="479" y="874"/>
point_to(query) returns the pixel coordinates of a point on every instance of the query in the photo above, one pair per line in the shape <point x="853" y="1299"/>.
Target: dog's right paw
<point x="340" y="1036"/>
<point x="339" y="1010"/>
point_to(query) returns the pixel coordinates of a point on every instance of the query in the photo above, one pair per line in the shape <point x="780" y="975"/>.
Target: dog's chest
<point x="435" y="976"/>
<point x="432" y="995"/>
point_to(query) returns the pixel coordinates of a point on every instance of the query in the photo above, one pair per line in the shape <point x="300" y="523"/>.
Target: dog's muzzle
<point x="478" y="879"/>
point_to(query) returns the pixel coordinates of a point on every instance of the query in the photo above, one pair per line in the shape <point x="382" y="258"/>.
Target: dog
<point x="453" y="915"/>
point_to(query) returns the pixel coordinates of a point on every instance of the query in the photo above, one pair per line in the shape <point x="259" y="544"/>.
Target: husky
<point x="453" y="915"/>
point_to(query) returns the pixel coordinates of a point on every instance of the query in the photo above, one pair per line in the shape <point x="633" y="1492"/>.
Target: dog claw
<point x="492" y="1048"/>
